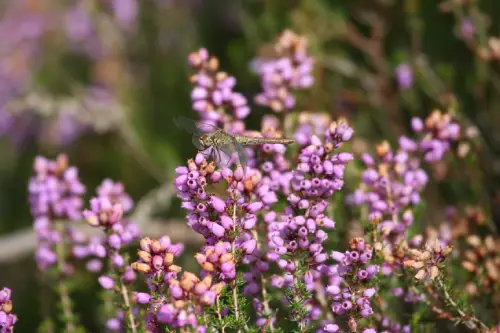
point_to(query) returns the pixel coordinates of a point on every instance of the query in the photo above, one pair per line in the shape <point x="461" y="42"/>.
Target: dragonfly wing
<point x="223" y="155"/>
<point x="187" y="124"/>
<point x="196" y="141"/>
<point x="193" y="126"/>
<point x="242" y="154"/>
<point x="206" y="127"/>
<point x="235" y="152"/>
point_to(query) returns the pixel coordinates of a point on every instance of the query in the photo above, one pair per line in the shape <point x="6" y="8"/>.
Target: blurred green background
<point x="144" y="68"/>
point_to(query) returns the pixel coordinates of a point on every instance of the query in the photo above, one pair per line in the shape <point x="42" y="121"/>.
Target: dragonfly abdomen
<point x="247" y="140"/>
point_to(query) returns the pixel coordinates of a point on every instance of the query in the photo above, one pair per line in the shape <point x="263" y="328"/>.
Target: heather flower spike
<point x="7" y="318"/>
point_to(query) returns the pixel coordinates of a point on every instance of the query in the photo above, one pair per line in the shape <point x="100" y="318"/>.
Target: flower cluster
<point x="390" y="185"/>
<point x="310" y="124"/>
<point x="214" y="217"/>
<point x="213" y="92"/>
<point x="187" y="295"/>
<point x="290" y="69"/>
<point x="426" y="262"/>
<point x="7" y="318"/>
<point x="482" y="254"/>
<point x="349" y="285"/>
<point x="55" y="194"/>
<point x="218" y="260"/>
<point x="156" y="257"/>
<point x="55" y="191"/>
<point x="439" y="131"/>
<point x="106" y="210"/>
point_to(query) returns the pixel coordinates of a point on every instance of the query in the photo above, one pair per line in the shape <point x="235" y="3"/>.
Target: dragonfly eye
<point x="203" y="140"/>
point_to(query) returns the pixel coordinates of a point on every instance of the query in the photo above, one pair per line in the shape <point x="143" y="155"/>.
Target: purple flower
<point x="113" y="324"/>
<point x="467" y="29"/>
<point x="103" y="212"/>
<point x="142" y="298"/>
<point x="106" y="282"/>
<point x="5" y="294"/>
<point x="404" y="76"/>
<point x="218" y="204"/>
<point x="331" y="328"/>
<point x="125" y="11"/>
<point x="115" y="193"/>
<point x="78" y="24"/>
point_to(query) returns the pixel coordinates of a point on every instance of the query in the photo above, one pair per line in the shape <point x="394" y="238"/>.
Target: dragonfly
<point x="221" y="146"/>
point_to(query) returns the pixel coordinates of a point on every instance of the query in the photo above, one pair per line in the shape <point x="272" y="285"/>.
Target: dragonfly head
<point x="206" y="141"/>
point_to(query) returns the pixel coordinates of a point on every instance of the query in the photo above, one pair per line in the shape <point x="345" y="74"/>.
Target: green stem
<point x="265" y="300"/>
<point x="122" y="289"/>
<point x="469" y="320"/>
<point x="68" y="317"/>
<point x="234" y="286"/>
<point x="223" y="328"/>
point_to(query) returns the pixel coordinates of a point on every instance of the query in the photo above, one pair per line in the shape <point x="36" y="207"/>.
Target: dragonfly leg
<point x="214" y="155"/>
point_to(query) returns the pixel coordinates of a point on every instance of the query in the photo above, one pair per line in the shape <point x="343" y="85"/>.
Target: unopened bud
<point x="144" y="256"/>
<point x="168" y="259"/>
<point x="217" y="288"/>
<point x="447" y="250"/>
<point x="141" y="267"/>
<point x="174" y="268"/>
<point x="434" y="272"/>
<point x="226" y="257"/>
<point x="468" y="266"/>
<point x="420" y="275"/>
<point x="7" y="306"/>
<point x="408" y="263"/>
<point x="209" y="267"/>
<point x="179" y="304"/>
<point x="155" y="246"/>
<point x="207" y="280"/>
<point x="145" y="243"/>
<point x="474" y="240"/>
<point x="417" y="264"/>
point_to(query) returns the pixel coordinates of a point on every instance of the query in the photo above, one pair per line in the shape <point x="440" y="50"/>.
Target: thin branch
<point x="22" y="243"/>
<point x="130" y="314"/>
<point x="468" y="320"/>
<point x="373" y="48"/>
